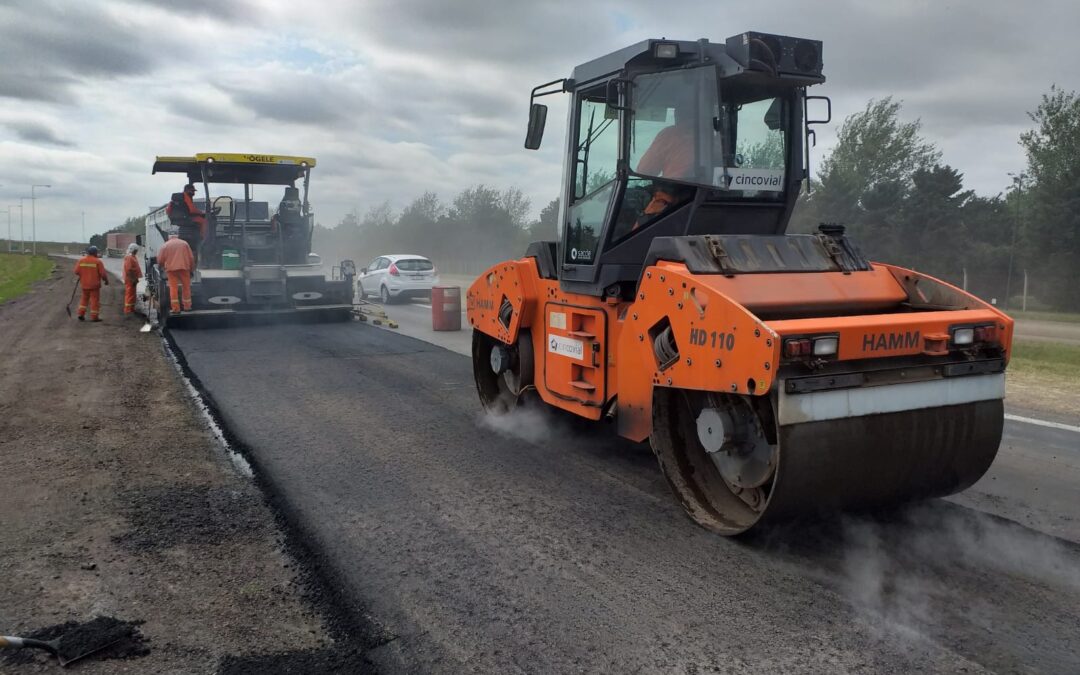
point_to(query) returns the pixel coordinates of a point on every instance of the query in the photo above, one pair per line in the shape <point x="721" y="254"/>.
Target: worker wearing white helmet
<point x="132" y="274"/>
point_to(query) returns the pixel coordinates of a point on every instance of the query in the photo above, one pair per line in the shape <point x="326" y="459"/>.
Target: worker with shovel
<point x="132" y="274"/>
<point x="91" y="273"/>
<point x="176" y="259"/>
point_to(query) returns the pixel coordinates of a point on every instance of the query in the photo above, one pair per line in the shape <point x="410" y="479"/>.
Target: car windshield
<point x="415" y="265"/>
<point x="684" y="129"/>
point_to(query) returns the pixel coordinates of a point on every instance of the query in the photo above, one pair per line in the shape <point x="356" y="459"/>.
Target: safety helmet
<point x="91" y="250"/>
<point x="132" y="248"/>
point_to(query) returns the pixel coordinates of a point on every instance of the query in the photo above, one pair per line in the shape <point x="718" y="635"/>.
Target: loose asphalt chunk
<point x="77" y="638"/>
<point x="162" y="517"/>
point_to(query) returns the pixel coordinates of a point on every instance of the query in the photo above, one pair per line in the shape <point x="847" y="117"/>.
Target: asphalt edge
<point x="346" y="616"/>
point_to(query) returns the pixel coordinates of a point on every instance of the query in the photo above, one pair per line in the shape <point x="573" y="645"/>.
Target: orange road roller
<point x="774" y="375"/>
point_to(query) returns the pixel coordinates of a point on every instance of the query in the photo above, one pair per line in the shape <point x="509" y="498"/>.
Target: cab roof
<point x="224" y="167"/>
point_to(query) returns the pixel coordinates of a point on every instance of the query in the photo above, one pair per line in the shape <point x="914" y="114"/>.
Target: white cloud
<point x="396" y="97"/>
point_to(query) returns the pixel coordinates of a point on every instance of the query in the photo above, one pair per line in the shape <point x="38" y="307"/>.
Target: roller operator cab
<point x="773" y="374"/>
<point x="256" y="256"/>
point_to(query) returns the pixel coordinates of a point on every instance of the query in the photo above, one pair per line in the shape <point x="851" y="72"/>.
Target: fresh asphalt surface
<point x="537" y="544"/>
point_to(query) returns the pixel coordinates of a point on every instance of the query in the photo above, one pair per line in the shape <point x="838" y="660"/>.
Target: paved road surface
<point x="540" y="545"/>
<point x="1048" y="331"/>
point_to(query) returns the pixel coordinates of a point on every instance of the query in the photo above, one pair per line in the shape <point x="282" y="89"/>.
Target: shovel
<point x="82" y="641"/>
<point x="68" y="308"/>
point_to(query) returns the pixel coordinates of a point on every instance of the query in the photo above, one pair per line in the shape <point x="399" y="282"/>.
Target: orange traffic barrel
<point x="446" y="307"/>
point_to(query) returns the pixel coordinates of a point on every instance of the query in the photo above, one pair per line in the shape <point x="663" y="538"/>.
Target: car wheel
<point x="384" y="295"/>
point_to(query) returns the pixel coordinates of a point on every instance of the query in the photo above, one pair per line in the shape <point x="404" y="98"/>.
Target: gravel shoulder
<point x="119" y="502"/>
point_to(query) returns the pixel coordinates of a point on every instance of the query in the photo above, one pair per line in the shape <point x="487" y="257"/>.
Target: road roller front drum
<point x="732" y="467"/>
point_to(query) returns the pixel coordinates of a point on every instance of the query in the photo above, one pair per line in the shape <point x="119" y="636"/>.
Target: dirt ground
<point x="118" y="502"/>
<point x="1043" y="395"/>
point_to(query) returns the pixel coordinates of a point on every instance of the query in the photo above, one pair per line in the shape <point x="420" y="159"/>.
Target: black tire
<point x="384" y="296"/>
<point x="500" y="394"/>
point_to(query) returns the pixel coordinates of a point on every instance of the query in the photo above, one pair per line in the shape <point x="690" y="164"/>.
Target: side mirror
<point x="824" y="115"/>
<point x="537" y="119"/>
<point x="139" y="240"/>
<point x="363" y="270"/>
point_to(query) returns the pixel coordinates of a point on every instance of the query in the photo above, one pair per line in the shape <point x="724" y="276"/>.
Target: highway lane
<point x="540" y="544"/>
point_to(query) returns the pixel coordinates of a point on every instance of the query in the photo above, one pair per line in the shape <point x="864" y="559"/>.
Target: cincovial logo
<point x="756" y="181"/>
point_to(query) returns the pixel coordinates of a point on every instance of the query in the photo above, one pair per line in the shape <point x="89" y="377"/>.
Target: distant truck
<point x="116" y="243"/>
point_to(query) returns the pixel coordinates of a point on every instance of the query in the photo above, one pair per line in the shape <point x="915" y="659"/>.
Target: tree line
<point x="480" y="226"/>
<point x="903" y="204"/>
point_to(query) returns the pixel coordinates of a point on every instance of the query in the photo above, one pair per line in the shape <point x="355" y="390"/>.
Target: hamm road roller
<point x="773" y="374"/>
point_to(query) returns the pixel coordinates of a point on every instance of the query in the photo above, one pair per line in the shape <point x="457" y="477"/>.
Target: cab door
<point x="594" y="156"/>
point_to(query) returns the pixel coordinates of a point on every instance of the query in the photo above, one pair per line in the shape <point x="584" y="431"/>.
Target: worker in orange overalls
<point x="671" y="155"/>
<point x="132" y="274"/>
<point x="184" y="214"/>
<point x="176" y="259"/>
<point x="91" y="273"/>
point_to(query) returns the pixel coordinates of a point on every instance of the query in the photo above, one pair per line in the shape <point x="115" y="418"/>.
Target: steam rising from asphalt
<point x="531" y="425"/>
<point x="904" y="578"/>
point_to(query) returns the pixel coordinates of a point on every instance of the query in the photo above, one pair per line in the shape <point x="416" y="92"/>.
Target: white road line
<point x="417" y="304"/>
<point x="1043" y="423"/>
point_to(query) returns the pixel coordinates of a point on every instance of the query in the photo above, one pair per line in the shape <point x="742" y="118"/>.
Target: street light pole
<point x="33" y="214"/>
<point x="22" y="229"/>
<point x="1018" y="185"/>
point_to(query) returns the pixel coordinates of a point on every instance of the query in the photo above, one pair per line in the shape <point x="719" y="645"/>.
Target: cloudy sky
<point x="395" y="97"/>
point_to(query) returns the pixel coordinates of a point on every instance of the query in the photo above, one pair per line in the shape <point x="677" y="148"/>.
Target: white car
<point x="395" y="277"/>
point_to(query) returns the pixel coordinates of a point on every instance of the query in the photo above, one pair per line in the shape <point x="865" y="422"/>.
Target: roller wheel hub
<point x="736" y="444"/>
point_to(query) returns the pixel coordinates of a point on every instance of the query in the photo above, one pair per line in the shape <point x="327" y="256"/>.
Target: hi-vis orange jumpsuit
<point x="132" y="274"/>
<point x="671" y="155"/>
<point x="91" y="272"/>
<point x="176" y="259"/>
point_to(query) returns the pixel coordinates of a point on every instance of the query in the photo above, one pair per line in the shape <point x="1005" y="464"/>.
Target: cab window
<point x="595" y="157"/>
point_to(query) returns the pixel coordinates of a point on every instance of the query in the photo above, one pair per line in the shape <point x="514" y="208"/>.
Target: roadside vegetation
<point x="1043" y="376"/>
<point x="18" y="272"/>
<point x="1047" y="358"/>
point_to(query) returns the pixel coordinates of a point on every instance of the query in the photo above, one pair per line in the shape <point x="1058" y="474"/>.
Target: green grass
<point x="17" y="272"/>
<point x="1064" y="317"/>
<point x="1046" y="358"/>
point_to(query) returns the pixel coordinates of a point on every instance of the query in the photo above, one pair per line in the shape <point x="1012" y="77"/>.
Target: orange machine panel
<point x="513" y="282"/>
<point x="575" y="353"/>
<point x="720" y="345"/>
<point x="867" y="292"/>
<point x="886" y="335"/>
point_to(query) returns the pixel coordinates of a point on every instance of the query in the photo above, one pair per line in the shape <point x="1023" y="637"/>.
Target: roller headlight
<point x="826" y="346"/>
<point x="963" y="336"/>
